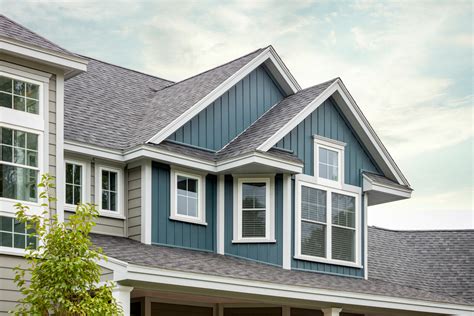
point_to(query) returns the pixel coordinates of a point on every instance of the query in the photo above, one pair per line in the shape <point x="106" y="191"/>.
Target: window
<point x="109" y="190"/>
<point x="327" y="224"/>
<point x="19" y="95"/>
<point x="74" y="183"/>
<point x="18" y="164"/>
<point x="14" y="234"/>
<point x="187" y="197"/>
<point x="254" y="216"/>
<point x="329" y="161"/>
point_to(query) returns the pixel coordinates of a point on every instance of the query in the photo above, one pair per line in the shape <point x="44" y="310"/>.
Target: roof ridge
<point x="125" y="68"/>
<point x="213" y="68"/>
<point x="42" y="37"/>
<point x="423" y="230"/>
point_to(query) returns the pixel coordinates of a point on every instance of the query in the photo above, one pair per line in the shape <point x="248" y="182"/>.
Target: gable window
<point x="326" y="224"/>
<point x="75" y="174"/>
<point x="329" y="161"/>
<point x="14" y="234"/>
<point x="109" y="190"/>
<point x="19" y="95"/>
<point x="18" y="164"/>
<point x="187" y="197"/>
<point x="254" y="213"/>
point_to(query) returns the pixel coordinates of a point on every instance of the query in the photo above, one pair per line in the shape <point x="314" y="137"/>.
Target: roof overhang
<point x="357" y="121"/>
<point x="380" y="193"/>
<point x="268" y="57"/>
<point x="71" y="64"/>
<point x="131" y="274"/>
<point x="253" y="161"/>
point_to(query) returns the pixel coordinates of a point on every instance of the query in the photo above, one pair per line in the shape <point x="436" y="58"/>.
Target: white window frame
<point x="302" y="180"/>
<point x="269" y="180"/>
<point x="120" y="191"/>
<point x="200" y="219"/>
<point x="333" y="145"/>
<point x="85" y="185"/>
<point x="8" y="205"/>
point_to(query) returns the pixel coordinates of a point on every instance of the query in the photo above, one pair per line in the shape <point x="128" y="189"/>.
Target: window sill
<point x="254" y="241"/>
<point x="12" y="251"/>
<point x="116" y="215"/>
<point x="328" y="261"/>
<point x="188" y="220"/>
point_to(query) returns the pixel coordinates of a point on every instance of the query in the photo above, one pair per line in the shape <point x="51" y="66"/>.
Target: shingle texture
<point x="13" y="30"/>
<point x="392" y="265"/>
<point x="106" y="104"/>
<point x="140" y="105"/>
<point x="274" y="119"/>
<point x="379" y="179"/>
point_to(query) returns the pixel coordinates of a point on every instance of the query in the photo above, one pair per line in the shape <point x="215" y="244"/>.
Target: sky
<point x="408" y="64"/>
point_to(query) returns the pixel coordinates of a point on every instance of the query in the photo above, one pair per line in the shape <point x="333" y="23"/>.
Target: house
<point x="233" y="192"/>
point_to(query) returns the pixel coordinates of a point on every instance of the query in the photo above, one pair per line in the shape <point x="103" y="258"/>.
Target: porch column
<point x="332" y="311"/>
<point x="122" y="295"/>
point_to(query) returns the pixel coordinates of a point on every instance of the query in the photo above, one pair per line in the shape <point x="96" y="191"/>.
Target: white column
<point x="220" y="214"/>
<point x="332" y="311"/>
<point x="122" y="295"/>
<point x="286" y="221"/>
<point x="286" y="311"/>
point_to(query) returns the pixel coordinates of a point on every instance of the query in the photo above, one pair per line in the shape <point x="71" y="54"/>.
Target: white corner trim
<point x="220" y="215"/>
<point x="287" y="212"/>
<point x="268" y="54"/>
<point x="338" y="86"/>
<point x="365" y="211"/>
<point x="146" y="199"/>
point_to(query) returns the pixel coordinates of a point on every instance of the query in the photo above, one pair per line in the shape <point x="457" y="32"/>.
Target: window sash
<point x="188" y="197"/>
<point x="75" y="189"/>
<point x="19" y="95"/>
<point x="109" y="197"/>
<point x="16" y="235"/>
<point x="334" y="247"/>
<point x="21" y="151"/>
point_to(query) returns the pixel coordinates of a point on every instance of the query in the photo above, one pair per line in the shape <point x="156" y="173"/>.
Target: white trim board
<point x="271" y="60"/>
<point x="131" y="272"/>
<point x="357" y="120"/>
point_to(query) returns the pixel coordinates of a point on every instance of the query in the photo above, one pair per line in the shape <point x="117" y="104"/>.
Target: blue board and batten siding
<point x="327" y="121"/>
<point x="231" y="113"/>
<point x="176" y="233"/>
<point x="271" y="253"/>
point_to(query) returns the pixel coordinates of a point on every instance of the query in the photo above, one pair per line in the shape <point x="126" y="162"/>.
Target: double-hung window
<point x="109" y="190"/>
<point x="18" y="164"/>
<point x="254" y="212"/>
<point x="75" y="183"/>
<point x="327" y="224"/>
<point x="187" y="197"/>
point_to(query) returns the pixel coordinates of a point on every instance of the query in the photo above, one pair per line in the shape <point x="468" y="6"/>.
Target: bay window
<point x="18" y="164"/>
<point x="327" y="227"/>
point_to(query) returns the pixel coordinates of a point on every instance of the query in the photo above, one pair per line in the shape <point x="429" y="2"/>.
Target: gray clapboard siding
<point x="231" y="113"/>
<point x="9" y="294"/>
<point x="134" y="200"/>
<point x="265" y="252"/>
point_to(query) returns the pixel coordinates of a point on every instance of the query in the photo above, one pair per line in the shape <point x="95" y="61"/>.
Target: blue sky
<point x="409" y="65"/>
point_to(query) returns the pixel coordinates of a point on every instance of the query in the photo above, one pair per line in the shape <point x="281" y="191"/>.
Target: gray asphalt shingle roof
<point x="393" y="270"/>
<point x="140" y="105"/>
<point x="274" y="119"/>
<point x="106" y="104"/>
<point x="13" y="30"/>
<point x="379" y="179"/>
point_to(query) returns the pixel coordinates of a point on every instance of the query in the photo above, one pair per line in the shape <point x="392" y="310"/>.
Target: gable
<point x="327" y="121"/>
<point x="232" y="112"/>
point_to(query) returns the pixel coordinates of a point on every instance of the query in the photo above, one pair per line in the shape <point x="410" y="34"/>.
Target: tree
<point x="64" y="271"/>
